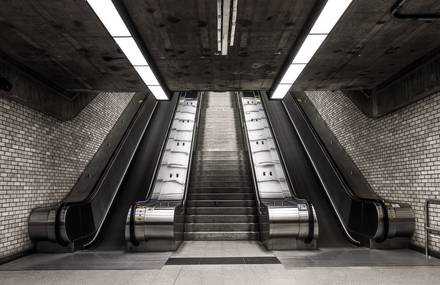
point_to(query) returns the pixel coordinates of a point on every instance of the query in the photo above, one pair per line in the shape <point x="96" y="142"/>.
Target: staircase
<point x="221" y="200"/>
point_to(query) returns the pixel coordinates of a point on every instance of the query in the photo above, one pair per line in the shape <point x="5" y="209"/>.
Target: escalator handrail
<point x="162" y="148"/>
<point x="341" y="221"/>
<point x="329" y="159"/>
<point x="118" y="149"/>
<point x="283" y="161"/>
<point x="248" y="146"/>
<point x="193" y="146"/>
<point x="112" y="161"/>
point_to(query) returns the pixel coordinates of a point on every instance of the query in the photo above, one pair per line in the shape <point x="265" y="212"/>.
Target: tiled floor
<point x="351" y="257"/>
<point x="231" y="274"/>
<point x="84" y="260"/>
<point x="221" y="249"/>
<point x="292" y="271"/>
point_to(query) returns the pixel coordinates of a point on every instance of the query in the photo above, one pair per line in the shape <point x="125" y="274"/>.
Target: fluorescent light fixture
<point x="225" y="25"/>
<point x="131" y="50"/>
<point x="281" y="91"/>
<point x="329" y="16"/>
<point x="147" y="75"/>
<point x="219" y="25"/>
<point x="158" y="92"/>
<point x="234" y="21"/>
<point x="308" y="48"/>
<point x="292" y="73"/>
<point x="327" y="19"/>
<point x="109" y="16"/>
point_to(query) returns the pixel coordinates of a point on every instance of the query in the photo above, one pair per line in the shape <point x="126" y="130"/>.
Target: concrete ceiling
<point x="63" y="45"/>
<point x="181" y="37"/>
<point x="371" y="46"/>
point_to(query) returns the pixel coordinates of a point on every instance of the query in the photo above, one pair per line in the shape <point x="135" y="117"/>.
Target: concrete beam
<point x="415" y="82"/>
<point x="33" y="92"/>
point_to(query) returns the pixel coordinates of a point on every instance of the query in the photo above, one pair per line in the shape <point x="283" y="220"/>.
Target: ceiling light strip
<point x="234" y="21"/>
<point x="113" y="22"/>
<point x="219" y="25"/>
<point x="324" y="24"/>
<point x="225" y="25"/>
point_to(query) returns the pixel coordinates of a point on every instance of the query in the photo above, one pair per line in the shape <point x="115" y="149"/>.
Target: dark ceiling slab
<point x="370" y="45"/>
<point x="181" y="37"/>
<point x="63" y="45"/>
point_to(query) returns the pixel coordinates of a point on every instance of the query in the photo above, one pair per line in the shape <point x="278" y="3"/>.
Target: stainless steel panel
<point x="157" y="224"/>
<point x="285" y="221"/>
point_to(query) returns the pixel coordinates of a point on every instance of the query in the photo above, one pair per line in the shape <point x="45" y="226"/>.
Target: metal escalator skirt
<point x="157" y="221"/>
<point x="283" y="218"/>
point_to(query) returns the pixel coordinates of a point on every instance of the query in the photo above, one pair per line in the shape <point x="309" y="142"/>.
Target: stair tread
<point x="221" y="199"/>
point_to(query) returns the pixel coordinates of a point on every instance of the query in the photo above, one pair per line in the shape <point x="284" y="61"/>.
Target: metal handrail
<point x="275" y="138"/>
<point x="248" y="146"/>
<point x="428" y="229"/>
<point x="338" y="215"/>
<point x="193" y="146"/>
<point x="159" y="160"/>
<point x="112" y="162"/>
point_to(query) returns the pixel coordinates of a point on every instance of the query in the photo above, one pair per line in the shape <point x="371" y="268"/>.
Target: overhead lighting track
<point x="226" y="24"/>
<point x="327" y="19"/>
<point x="115" y="25"/>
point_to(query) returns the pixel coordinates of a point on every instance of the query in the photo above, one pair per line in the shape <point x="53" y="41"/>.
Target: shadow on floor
<point x="351" y="257"/>
<point x="111" y="260"/>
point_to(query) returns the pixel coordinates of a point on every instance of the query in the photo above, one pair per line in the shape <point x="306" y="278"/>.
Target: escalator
<point x="305" y="180"/>
<point x="94" y="217"/>
<point x="212" y="185"/>
<point x="156" y="221"/>
<point x="346" y="216"/>
<point x="137" y="180"/>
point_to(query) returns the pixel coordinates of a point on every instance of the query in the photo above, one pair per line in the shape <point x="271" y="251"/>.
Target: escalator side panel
<point x="155" y="222"/>
<point x="352" y="175"/>
<point x="301" y="171"/>
<point x="338" y="193"/>
<point x="55" y="223"/>
<point x="109" y="184"/>
<point x="137" y="180"/>
<point x="371" y="219"/>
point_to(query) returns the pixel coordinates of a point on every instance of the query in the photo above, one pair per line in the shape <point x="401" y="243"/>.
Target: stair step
<point x="221" y="219"/>
<point x="246" y="235"/>
<point x="221" y="183"/>
<point x="229" y="173"/>
<point x="205" y="161"/>
<point x="218" y="178"/>
<point x="221" y="227"/>
<point x="221" y="167"/>
<point x="231" y="162"/>
<point x="221" y="210"/>
<point x="220" y="152"/>
<point x="221" y="196"/>
<point x="221" y="203"/>
<point x="221" y="158"/>
<point x="204" y="190"/>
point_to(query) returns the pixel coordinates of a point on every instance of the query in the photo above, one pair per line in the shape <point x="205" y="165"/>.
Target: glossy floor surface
<point x="326" y="266"/>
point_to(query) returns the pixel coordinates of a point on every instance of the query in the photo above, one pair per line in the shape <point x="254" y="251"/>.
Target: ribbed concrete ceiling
<point x="182" y="39"/>
<point x="64" y="45"/>
<point x="370" y="45"/>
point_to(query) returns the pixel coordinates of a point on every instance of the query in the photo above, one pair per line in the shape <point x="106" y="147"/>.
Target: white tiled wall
<point x="399" y="154"/>
<point x="41" y="159"/>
